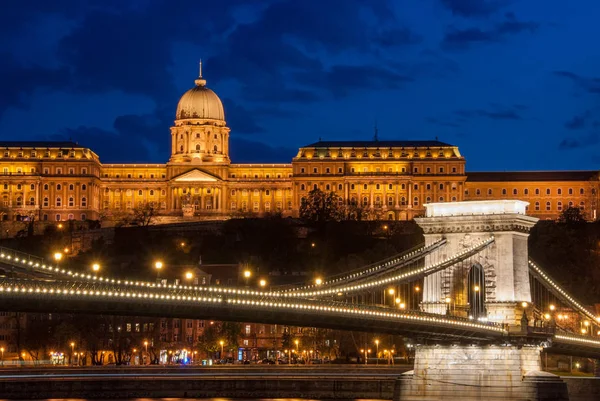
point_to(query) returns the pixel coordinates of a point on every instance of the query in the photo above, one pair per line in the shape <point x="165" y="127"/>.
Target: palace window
<point x="315" y="170"/>
<point x="19" y="187"/>
<point x="340" y="170"/>
<point x="267" y="206"/>
<point x="315" y="186"/>
<point x="515" y="191"/>
<point x="255" y="175"/>
<point x="58" y="187"/>
<point x="327" y="187"/>
<point x="526" y="191"/>
<point x="570" y="191"/>
<point x="415" y="170"/>
<point x="340" y="187"/>
<point x="244" y="206"/>
<point x="441" y="170"/>
<point x="365" y="186"/>
<point x="83" y="187"/>
<point x="547" y="191"/>
<point x="477" y="192"/>
<point x="46" y="202"/>
<point x="267" y="192"/>
<point x="327" y="170"/>
<point x="466" y="192"/>
<point x="390" y="201"/>
<point x="59" y="170"/>
<point x="71" y="171"/>
<point x="428" y="187"/>
<point x="71" y="202"/>
<point x="5" y="186"/>
<point x="582" y="205"/>
<point x="151" y="192"/>
<point x="581" y="191"/>
<point x="441" y="199"/>
<point x="571" y="204"/>
<point x="559" y="191"/>
<point x="151" y="175"/>
<point x="377" y="201"/>
<point x="403" y="201"/>
<point x="84" y="202"/>
<point x="233" y="205"/>
<point x="454" y="199"/>
<point x="233" y="192"/>
<point x="71" y="187"/>
<point x="255" y="207"/>
<point x="416" y="187"/>
<point x="32" y="187"/>
<point x="503" y="191"/>
<point x="403" y="187"/>
<point x="428" y="199"/>
<point x="390" y="186"/>
<point x="83" y="217"/>
<point x="140" y="192"/>
<point x="365" y="201"/>
<point x="19" y="201"/>
<point x="537" y="206"/>
<point x="537" y="191"/>
<point x="302" y="170"/>
<point x="352" y="186"/>
<point x="416" y="201"/>
<point x="256" y="192"/>
<point x="547" y="205"/>
<point x="19" y="170"/>
<point x="441" y="187"/>
<point x="403" y="169"/>
<point x="58" y="202"/>
<point x="84" y="171"/>
<point x="70" y="216"/>
<point x="57" y="217"/>
<point x="197" y="148"/>
<point x="428" y="170"/>
<point x="377" y="187"/>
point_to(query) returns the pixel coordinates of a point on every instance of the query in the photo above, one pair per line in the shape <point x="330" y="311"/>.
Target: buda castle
<point x="56" y="181"/>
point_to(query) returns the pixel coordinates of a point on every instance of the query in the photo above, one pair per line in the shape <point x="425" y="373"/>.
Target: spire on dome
<point x="200" y="81"/>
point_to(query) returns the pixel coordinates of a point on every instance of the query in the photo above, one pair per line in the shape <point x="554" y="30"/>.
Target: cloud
<point x="578" y="121"/>
<point x="495" y="114"/>
<point x="240" y="119"/>
<point x="474" y="8"/>
<point x="589" y="85"/>
<point x="584" y="141"/>
<point x="247" y="151"/>
<point x="460" y="39"/>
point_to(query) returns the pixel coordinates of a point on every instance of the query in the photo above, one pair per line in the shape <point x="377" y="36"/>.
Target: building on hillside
<point x="56" y="181"/>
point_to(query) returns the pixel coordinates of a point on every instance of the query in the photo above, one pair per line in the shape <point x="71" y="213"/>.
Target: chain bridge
<point x="469" y="293"/>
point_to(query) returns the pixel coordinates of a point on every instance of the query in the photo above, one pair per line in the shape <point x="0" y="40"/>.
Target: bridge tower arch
<point x="493" y="283"/>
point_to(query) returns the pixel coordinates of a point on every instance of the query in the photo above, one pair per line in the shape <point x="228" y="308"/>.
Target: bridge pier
<point x="478" y="373"/>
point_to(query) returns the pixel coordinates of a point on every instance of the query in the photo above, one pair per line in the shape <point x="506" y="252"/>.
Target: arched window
<point x="526" y="191"/>
<point x="58" y="202"/>
<point x="416" y="201"/>
<point x="19" y="201"/>
<point x="503" y="191"/>
<point x="71" y="202"/>
<point x="559" y="206"/>
<point x="340" y="187"/>
<point x="45" y="187"/>
<point x="403" y="186"/>
<point x="140" y="192"/>
<point x="215" y="149"/>
<point x="197" y="148"/>
<point x="151" y="192"/>
<point x="327" y="187"/>
<point x="428" y="199"/>
<point x="548" y="206"/>
<point x="441" y="199"/>
<point x="46" y="202"/>
<point x="476" y="292"/>
<point x="32" y="187"/>
<point x="390" y="201"/>
<point x="83" y="217"/>
<point x="537" y="205"/>
<point x="71" y="187"/>
<point x="302" y="187"/>
<point x="84" y="202"/>
<point x="403" y="201"/>
<point x="582" y="205"/>
<point x="365" y="201"/>
<point x="377" y="201"/>
<point x="32" y="201"/>
<point x="181" y="148"/>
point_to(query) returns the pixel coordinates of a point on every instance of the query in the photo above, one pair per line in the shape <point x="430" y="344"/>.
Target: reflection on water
<point x="202" y="399"/>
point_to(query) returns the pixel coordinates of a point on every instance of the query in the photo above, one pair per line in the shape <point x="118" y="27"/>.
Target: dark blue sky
<point x="514" y="83"/>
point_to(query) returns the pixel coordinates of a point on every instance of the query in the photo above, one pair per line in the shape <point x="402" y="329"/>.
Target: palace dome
<point x="200" y="102"/>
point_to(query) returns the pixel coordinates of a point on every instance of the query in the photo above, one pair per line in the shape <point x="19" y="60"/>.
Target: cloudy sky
<point x="514" y="83"/>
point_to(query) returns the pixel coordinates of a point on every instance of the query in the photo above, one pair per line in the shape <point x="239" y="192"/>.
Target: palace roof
<point x="585" y="175"/>
<point x="39" y="144"/>
<point x="377" y="144"/>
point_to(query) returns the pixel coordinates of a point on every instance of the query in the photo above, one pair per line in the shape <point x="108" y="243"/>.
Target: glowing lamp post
<point x="221" y="343"/>
<point x="189" y="275"/>
<point x="262" y="283"/>
<point x="247" y="274"/>
<point x="377" y="351"/>
<point x="158" y="265"/>
<point x="96" y="267"/>
<point x="72" y="350"/>
<point x="318" y="281"/>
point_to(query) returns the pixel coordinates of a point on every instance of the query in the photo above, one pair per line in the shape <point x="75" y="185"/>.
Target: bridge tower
<point x="491" y="285"/>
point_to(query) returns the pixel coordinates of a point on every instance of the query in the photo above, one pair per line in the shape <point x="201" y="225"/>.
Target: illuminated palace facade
<point x="56" y="181"/>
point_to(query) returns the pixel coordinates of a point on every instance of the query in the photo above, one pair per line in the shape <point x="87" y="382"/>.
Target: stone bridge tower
<point x="494" y="283"/>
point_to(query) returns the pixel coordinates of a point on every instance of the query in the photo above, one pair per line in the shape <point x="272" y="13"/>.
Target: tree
<point x="143" y="214"/>
<point x="319" y="207"/>
<point x="571" y="216"/>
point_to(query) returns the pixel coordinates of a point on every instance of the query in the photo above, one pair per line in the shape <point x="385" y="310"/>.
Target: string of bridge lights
<point x="562" y="292"/>
<point x="576" y="339"/>
<point x="465" y="253"/>
<point x="94" y="278"/>
<point x="47" y="268"/>
<point x="21" y="290"/>
<point x="424" y="250"/>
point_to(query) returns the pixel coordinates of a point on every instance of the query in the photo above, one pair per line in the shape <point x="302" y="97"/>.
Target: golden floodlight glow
<point x="189" y="275"/>
<point x="247" y="273"/>
<point x="58" y="256"/>
<point x="262" y="282"/>
<point x="391" y="291"/>
<point x="95" y="267"/>
<point x="318" y="281"/>
<point x="158" y="264"/>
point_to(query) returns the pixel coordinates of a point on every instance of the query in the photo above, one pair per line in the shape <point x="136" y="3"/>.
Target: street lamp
<point x="58" y="256"/>
<point x="247" y="274"/>
<point x="189" y="275"/>
<point x="221" y="342"/>
<point x="318" y="281"/>
<point x="72" y="349"/>
<point x="262" y="283"/>
<point x="158" y="265"/>
<point x="297" y="342"/>
<point x="377" y="354"/>
<point x="95" y="267"/>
